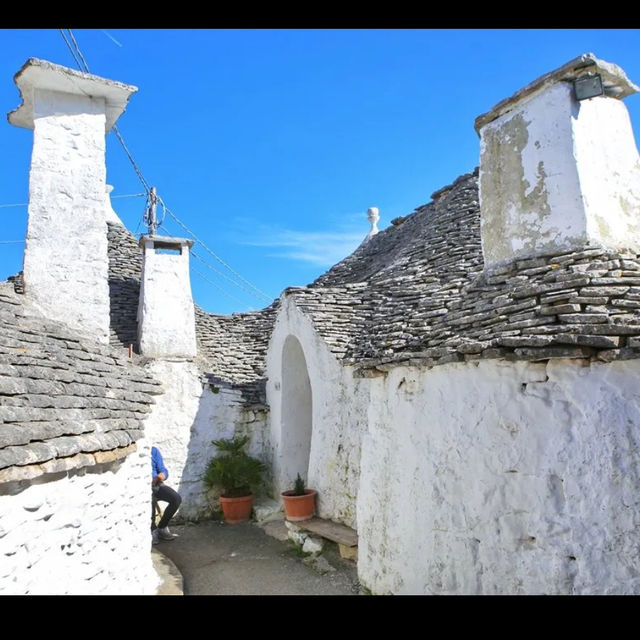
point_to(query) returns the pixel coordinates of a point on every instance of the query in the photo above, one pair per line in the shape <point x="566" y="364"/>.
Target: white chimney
<point x="559" y="169"/>
<point x="166" y="318"/>
<point x="65" y="259"/>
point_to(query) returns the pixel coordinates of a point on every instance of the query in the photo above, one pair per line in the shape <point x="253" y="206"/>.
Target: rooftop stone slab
<point x="43" y="75"/>
<point x="65" y="402"/>
<point x="615" y="82"/>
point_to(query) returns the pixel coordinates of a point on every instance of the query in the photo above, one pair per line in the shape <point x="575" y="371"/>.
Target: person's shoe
<point x="166" y="535"/>
<point x="155" y="536"/>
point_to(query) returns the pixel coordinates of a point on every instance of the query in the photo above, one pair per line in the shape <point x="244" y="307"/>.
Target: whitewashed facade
<point x="492" y="464"/>
<point x="461" y="391"/>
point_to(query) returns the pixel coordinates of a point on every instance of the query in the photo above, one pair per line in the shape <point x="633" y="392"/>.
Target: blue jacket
<point x="157" y="463"/>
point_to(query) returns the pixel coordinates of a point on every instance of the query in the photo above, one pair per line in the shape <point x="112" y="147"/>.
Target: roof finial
<point x="373" y="216"/>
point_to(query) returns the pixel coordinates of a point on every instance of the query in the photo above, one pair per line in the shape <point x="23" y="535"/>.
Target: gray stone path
<point x="215" y="558"/>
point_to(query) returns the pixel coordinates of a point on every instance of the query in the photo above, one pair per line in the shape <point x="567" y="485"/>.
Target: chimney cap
<point x="162" y="242"/>
<point x="615" y="81"/>
<point x="42" y="74"/>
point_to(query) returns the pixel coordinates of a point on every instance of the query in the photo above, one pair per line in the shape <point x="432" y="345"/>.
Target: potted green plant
<point x="299" y="502"/>
<point x="238" y="474"/>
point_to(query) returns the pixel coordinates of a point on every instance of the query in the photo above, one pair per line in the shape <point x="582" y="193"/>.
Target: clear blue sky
<point x="271" y="144"/>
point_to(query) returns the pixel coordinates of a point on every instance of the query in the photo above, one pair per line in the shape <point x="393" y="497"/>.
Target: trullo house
<point x="462" y="390"/>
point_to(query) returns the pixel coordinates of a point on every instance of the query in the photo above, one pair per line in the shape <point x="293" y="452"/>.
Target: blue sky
<point x="271" y="144"/>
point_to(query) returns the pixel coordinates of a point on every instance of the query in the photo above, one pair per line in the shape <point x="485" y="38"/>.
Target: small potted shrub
<point x="238" y="474"/>
<point x="299" y="502"/>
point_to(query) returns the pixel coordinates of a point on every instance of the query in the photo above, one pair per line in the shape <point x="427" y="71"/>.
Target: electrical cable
<point x="75" y="44"/>
<point x="218" y="258"/>
<point x="145" y="184"/>
<point x="206" y="264"/>
<point x="218" y="287"/>
<point x="70" y="49"/>
<point x="212" y="268"/>
<point x="130" y="195"/>
<point x="85" y="67"/>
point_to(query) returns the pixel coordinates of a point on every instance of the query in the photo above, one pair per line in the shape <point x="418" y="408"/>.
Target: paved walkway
<point x="215" y="558"/>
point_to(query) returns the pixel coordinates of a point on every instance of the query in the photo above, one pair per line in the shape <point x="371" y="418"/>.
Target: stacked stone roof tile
<point x="236" y="345"/>
<point x="417" y="293"/>
<point x="338" y="313"/>
<point x="233" y="346"/>
<point x="65" y="401"/>
<point x="125" y="268"/>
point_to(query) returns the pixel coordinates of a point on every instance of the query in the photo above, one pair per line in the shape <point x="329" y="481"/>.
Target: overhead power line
<point x="212" y="268"/>
<point x="75" y="44"/>
<point x="70" y="48"/>
<point x="130" y="195"/>
<point x="222" y="275"/>
<point x="218" y="258"/>
<point x="142" y="179"/>
<point x="83" y="66"/>
<point x="217" y="286"/>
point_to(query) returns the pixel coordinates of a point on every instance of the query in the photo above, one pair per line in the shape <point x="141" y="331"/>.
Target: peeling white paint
<point x="556" y="173"/>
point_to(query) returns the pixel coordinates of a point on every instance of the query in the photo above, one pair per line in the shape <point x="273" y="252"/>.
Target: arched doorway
<point x="296" y="416"/>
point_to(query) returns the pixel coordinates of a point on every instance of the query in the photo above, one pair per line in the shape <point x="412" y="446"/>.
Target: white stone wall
<point x="339" y="414"/>
<point x="65" y="261"/>
<point x="166" y="318"/>
<point x="556" y="173"/>
<point x="496" y="477"/>
<point x="184" y="421"/>
<point x="607" y="157"/>
<point x="84" y="534"/>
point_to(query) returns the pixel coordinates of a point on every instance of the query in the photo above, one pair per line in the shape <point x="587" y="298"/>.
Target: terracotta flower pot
<point x="236" y="510"/>
<point x="297" y="508"/>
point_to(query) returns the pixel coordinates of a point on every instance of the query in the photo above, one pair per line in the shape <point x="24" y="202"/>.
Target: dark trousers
<point x="165" y="494"/>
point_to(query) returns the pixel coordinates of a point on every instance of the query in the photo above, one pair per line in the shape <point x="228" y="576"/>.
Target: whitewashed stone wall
<point x="339" y="414"/>
<point x="84" y="534"/>
<point x="496" y="477"/>
<point x="65" y="261"/>
<point x="609" y="165"/>
<point x="184" y="421"/>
